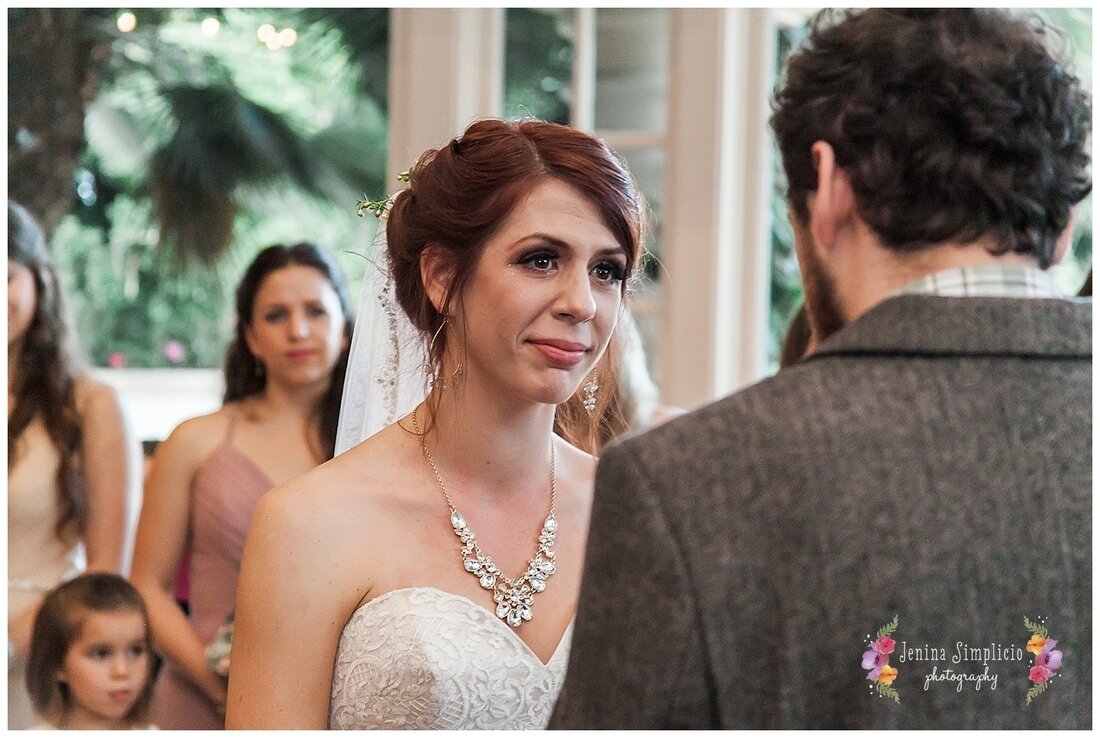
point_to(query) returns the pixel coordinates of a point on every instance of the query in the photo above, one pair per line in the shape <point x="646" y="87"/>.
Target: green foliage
<point x="363" y="34"/>
<point x="127" y="299"/>
<point x="377" y="208"/>
<point x="538" y="64"/>
<point x="786" y="282"/>
<point x="294" y="141"/>
<point x="1036" y="690"/>
<point x="887" y="691"/>
<point x="888" y="629"/>
<point x="1035" y="628"/>
<point x="1076" y="25"/>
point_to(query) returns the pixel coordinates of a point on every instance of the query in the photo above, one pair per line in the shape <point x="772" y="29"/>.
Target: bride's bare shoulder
<point x="350" y="488"/>
<point x="335" y="518"/>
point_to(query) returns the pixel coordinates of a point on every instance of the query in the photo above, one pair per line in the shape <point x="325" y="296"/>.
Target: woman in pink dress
<point x="284" y="379"/>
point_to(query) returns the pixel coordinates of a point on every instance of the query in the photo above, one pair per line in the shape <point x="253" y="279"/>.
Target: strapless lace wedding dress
<point x="427" y="659"/>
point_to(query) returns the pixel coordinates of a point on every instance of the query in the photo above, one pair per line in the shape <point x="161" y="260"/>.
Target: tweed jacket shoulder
<point x="932" y="461"/>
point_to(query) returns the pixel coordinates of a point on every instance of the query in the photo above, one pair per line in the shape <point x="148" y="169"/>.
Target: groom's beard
<point x="822" y="305"/>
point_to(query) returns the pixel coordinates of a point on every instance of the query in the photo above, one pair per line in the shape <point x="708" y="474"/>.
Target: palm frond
<point x="222" y="141"/>
<point x="365" y="33"/>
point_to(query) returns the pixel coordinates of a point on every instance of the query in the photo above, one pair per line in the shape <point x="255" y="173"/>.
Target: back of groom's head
<point x="952" y="125"/>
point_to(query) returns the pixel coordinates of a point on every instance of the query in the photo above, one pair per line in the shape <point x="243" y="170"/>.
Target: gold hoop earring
<point x="429" y="365"/>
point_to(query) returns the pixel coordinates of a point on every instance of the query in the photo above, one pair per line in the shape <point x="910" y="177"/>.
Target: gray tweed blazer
<point x="932" y="460"/>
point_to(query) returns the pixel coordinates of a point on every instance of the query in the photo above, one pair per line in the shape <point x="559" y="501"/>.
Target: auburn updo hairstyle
<point x="460" y="194"/>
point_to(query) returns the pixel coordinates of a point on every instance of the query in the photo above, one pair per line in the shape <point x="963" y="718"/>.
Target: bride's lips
<point x="564" y="354"/>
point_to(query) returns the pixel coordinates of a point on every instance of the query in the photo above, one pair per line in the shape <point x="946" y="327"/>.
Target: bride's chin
<point x="561" y="395"/>
<point x="541" y="388"/>
<point x="554" y="394"/>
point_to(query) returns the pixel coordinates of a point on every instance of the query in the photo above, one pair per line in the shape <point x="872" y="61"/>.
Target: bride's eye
<point x="609" y="271"/>
<point x="539" y="261"/>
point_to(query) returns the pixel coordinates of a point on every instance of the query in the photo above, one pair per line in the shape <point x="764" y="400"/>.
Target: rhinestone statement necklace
<point x="514" y="597"/>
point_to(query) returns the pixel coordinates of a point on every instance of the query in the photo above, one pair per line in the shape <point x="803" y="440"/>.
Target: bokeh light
<point x="126" y="22"/>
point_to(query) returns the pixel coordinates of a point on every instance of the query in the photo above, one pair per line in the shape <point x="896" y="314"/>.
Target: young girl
<point x="91" y="662"/>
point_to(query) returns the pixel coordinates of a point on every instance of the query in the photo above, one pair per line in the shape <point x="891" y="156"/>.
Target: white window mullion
<point x="715" y="218"/>
<point x="446" y="70"/>
<point x="632" y="140"/>
<point x="582" y="112"/>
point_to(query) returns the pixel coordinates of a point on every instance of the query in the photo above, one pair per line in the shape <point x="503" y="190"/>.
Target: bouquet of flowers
<point x="217" y="653"/>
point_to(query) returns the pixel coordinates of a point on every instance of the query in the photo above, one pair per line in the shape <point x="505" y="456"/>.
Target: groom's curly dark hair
<point x="952" y="124"/>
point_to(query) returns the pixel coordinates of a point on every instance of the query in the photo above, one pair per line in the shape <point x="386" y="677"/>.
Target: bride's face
<point x="544" y="297"/>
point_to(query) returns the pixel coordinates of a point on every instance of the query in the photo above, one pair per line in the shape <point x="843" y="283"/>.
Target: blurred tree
<point x="1076" y="23"/>
<point x="365" y="34"/>
<point x="538" y="63"/>
<point x="55" y="58"/>
<point x="786" y="282"/>
<point x="215" y="137"/>
<point x="204" y="139"/>
<point x="207" y="134"/>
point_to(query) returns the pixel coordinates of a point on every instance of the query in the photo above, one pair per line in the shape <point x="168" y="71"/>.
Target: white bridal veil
<point x="386" y="375"/>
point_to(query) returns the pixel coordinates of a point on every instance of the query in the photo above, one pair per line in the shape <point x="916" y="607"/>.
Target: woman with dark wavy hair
<point x="510" y="252"/>
<point x="71" y="459"/>
<point x="284" y="376"/>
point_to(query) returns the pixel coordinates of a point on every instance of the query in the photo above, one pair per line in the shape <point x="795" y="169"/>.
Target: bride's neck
<point x="491" y="447"/>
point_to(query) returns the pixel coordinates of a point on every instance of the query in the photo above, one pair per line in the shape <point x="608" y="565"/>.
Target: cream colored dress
<point x="37" y="559"/>
<point x="425" y="659"/>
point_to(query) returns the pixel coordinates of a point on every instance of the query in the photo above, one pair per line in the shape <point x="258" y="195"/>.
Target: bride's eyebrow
<point x="619" y="250"/>
<point x="544" y="238"/>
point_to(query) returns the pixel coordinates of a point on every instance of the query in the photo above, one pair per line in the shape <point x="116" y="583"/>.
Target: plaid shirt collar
<point x="990" y="280"/>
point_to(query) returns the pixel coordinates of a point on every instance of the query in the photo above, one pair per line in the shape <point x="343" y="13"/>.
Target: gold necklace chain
<point x="514" y="597"/>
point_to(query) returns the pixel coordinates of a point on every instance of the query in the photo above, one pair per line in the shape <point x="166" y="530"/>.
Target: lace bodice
<point x="427" y="659"/>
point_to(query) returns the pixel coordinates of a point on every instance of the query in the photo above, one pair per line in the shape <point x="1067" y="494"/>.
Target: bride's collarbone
<point x="408" y="541"/>
<point x="429" y="555"/>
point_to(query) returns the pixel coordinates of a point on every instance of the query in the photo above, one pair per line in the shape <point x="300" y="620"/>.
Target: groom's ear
<point x="832" y="205"/>
<point x="436" y="274"/>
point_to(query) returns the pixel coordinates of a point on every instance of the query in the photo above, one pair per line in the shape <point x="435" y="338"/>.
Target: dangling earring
<point x="259" y="370"/>
<point x="589" y="396"/>
<point x="429" y="365"/>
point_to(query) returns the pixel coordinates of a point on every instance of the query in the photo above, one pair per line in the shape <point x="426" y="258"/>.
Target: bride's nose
<point x="575" y="301"/>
